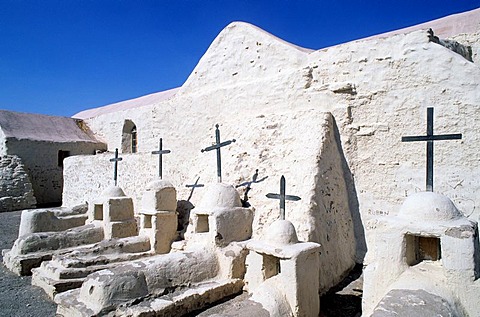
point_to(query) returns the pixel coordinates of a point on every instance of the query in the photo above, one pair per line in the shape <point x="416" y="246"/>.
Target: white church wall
<point x="271" y="97"/>
<point x="308" y="157"/>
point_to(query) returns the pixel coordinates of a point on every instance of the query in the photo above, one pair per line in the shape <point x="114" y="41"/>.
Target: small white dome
<point x="429" y="206"/>
<point x="158" y="184"/>
<point x="220" y="195"/>
<point x="281" y="232"/>
<point x="113" y="191"/>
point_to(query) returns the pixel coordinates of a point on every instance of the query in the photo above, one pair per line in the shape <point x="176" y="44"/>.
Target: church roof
<point x="127" y="104"/>
<point x="464" y="22"/>
<point x="43" y="128"/>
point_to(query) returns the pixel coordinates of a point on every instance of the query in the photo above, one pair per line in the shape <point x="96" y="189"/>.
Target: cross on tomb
<point x="429" y="138"/>
<point x="116" y="159"/>
<point x="217" y="147"/>
<point x="193" y="186"/>
<point x="160" y="153"/>
<point x="282" y="197"/>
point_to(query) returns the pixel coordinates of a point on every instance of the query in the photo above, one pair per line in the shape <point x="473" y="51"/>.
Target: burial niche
<point x="422" y="248"/>
<point x="202" y="224"/>
<point x="129" y="137"/>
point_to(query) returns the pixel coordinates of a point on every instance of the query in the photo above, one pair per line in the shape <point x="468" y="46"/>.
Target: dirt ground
<point x="18" y="298"/>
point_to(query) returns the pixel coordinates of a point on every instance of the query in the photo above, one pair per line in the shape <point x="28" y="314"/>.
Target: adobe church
<point x="331" y="121"/>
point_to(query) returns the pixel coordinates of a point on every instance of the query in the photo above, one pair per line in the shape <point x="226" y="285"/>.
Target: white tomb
<point x="430" y="245"/>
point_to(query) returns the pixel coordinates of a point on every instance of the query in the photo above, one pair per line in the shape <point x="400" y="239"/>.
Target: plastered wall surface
<point x="377" y="90"/>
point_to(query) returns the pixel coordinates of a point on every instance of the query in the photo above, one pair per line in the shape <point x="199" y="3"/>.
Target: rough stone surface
<point x="15" y="187"/>
<point x="413" y="303"/>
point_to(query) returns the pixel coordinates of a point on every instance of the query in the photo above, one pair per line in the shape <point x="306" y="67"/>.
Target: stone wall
<point x="15" y="188"/>
<point x="41" y="162"/>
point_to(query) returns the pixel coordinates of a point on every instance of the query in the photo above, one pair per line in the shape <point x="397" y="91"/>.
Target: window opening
<point x="61" y="156"/>
<point x="129" y="137"/>
<point x="134" y="139"/>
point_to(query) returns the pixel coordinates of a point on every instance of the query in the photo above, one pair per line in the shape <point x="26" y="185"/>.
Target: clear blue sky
<point x="60" y="57"/>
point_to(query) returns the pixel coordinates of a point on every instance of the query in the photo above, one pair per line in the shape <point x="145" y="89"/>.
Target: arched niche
<point x="129" y="137"/>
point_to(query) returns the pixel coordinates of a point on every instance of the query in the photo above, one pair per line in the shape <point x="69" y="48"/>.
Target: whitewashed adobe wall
<point x="15" y="188"/>
<point x="378" y="91"/>
<point x="308" y="157"/>
<point x="40" y="160"/>
<point x="271" y="97"/>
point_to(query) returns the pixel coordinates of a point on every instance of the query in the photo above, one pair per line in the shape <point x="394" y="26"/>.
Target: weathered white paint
<point x="392" y="263"/>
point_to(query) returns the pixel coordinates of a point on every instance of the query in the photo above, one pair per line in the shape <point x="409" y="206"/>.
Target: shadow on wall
<point x="183" y="209"/>
<point x="361" y="244"/>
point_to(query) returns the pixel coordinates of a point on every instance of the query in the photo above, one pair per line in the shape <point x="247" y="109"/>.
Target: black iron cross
<point x="429" y="138"/>
<point x="193" y="186"/>
<point x="217" y="147"/>
<point x="116" y="159"/>
<point x="282" y="197"/>
<point x="160" y="153"/>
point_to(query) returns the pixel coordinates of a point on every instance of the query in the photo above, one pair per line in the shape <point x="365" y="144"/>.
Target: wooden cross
<point x="217" y="147"/>
<point x="193" y="186"/>
<point x="429" y="138"/>
<point x="282" y="197"/>
<point x="116" y="159"/>
<point x="160" y="153"/>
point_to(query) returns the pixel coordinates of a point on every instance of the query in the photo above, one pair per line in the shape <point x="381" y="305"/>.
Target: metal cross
<point x="193" y="186"/>
<point x="160" y="153"/>
<point x="116" y="159"/>
<point x="282" y="197"/>
<point x="429" y="138"/>
<point x="217" y="147"/>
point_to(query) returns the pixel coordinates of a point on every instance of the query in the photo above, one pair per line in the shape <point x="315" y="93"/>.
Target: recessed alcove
<point x="270" y="266"/>
<point x="147" y="221"/>
<point x="98" y="212"/>
<point x="421" y="248"/>
<point x="202" y="224"/>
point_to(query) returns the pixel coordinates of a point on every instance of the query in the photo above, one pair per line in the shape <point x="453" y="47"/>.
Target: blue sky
<point x="60" y="57"/>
